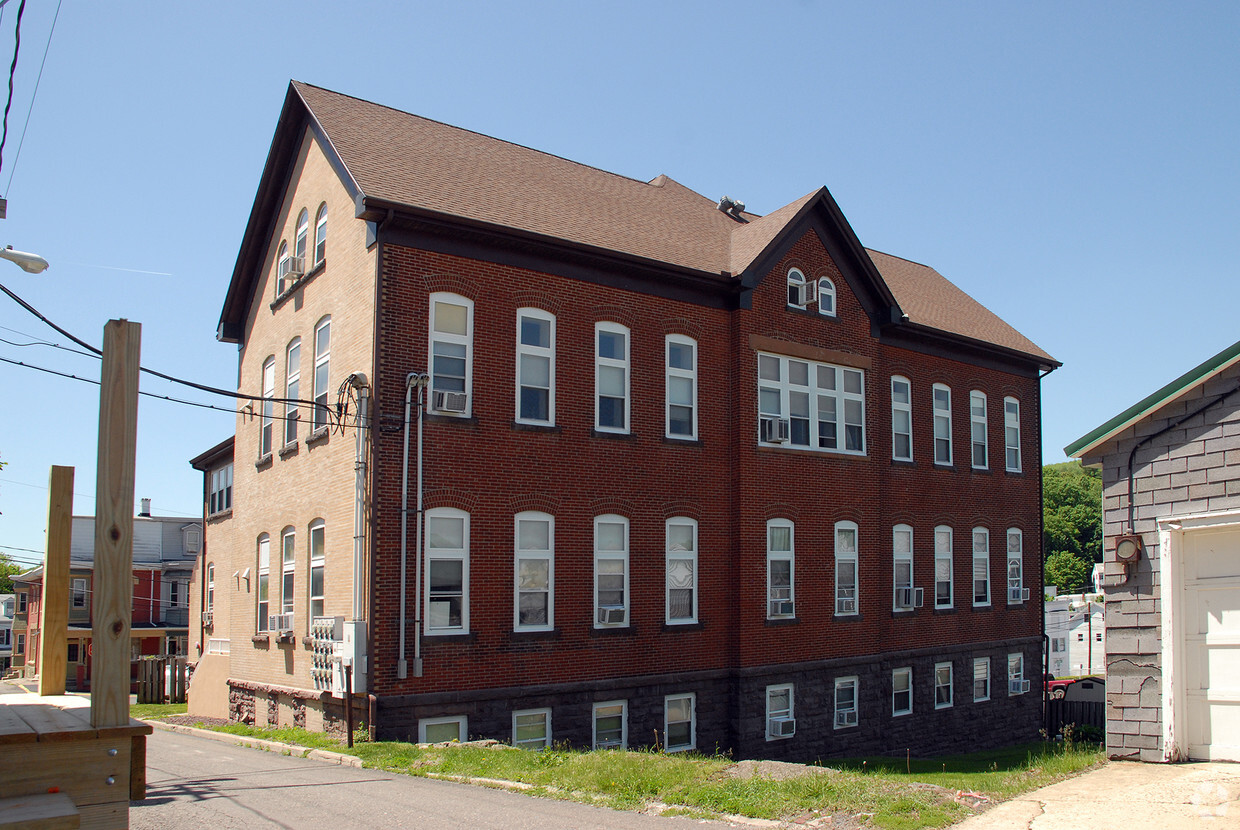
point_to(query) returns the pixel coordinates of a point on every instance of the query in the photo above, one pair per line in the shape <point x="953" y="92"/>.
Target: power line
<point x="20" y="143"/>
<point x="17" y="33"/>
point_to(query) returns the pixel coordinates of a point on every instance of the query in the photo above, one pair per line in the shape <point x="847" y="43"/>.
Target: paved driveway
<point x="1125" y="795"/>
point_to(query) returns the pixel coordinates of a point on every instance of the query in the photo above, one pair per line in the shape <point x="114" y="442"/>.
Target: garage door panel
<point x="1212" y="555"/>
<point x="1210" y="642"/>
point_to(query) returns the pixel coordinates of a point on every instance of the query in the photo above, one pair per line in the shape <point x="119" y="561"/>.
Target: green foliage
<point x="1067" y="572"/>
<point x="152" y="711"/>
<point x="1072" y="515"/>
<point x="8" y="569"/>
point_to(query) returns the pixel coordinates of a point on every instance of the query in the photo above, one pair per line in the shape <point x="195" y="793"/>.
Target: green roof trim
<point x="1196" y="375"/>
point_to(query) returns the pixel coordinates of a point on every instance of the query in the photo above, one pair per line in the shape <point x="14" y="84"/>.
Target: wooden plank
<point x="53" y="642"/>
<point x="79" y="769"/>
<point x="118" y="438"/>
<point x="111" y="816"/>
<point x="52" y="723"/>
<point x="137" y="768"/>
<point x="14" y="730"/>
<point x="46" y="811"/>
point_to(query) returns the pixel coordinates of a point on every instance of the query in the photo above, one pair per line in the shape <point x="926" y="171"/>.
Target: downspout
<point x="358" y="381"/>
<point x="1046" y="643"/>
<point x="412" y="380"/>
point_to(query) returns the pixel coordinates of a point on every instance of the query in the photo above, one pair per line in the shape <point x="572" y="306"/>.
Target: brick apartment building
<point x="689" y="475"/>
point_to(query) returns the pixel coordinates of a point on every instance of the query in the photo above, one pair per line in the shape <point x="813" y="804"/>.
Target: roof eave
<point x="1044" y="363"/>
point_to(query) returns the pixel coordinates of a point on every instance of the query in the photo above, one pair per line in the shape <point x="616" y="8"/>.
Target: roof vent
<point x="731" y="207"/>
<point x="145" y="509"/>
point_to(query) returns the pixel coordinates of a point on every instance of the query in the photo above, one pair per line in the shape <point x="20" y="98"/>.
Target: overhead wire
<point x="17" y="45"/>
<point x="22" y="141"/>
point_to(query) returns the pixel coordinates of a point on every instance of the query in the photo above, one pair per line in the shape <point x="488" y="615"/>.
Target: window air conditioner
<point x="610" y="614"/>
<point x="292" y="267"/>
<point x="781" y="608"/>
<point x="804" y="293"/>
<point x="1018" y="594"/>
<point x="280" y="622"/>
<point x="846" y="718"/>
<point x="1018" y="687"/>
<point x="208" y="618"/>
<point x="774" y="430"/>
<point x="845" y="605"/>
<point x="909" y="597"/>
<point x="451" y="402"/>
<point x="781" y="727"/>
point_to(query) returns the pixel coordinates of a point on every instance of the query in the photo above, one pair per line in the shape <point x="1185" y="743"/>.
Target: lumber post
<point x="113" y="584"/>
<point x="54" y="610"/>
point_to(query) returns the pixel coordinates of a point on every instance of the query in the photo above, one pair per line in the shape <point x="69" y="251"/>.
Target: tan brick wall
<point x="304" y="481"/>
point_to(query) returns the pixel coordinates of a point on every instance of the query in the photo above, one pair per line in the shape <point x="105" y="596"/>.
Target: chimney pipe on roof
<point x="732" y="207"/>
<point x="146" y="508"/>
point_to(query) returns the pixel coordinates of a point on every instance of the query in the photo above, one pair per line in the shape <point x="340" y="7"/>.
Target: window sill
<point x="946" y="609"/>
<point x="1018" y="473"/>
<point x="223" y="514"/>
<point x="777" y="621"/>
<point x="524" y="427"/>
<point x="939" y="465"/>
<point x="261" y="639"/>
<point x="678" y="441"/>
<point x="545" y="634"/>
<point x="805" y="448"/>
<point x="285" y="638"/>
<point x="283" y="296"/>
<point x="613" y="630"/>
<point x="906" y="463"/>
<point x="289" y="449"/>
<point x="684" y="626"/>
<point x="450" y="637"/>
<point x="319" y="436"/>
<point x="986" y="607"/>
<point x="615" y="436"/>
<point x="846" y="618"/>
<point x="981" y="471"/>
<point x="263" y="462"/>
<point x="450" y="418"/>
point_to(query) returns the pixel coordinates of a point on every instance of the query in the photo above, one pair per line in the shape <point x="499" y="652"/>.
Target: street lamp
<point x="30" y="263"/>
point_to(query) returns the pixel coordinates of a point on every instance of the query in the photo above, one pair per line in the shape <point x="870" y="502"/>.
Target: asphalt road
<point x="195" y="782"/>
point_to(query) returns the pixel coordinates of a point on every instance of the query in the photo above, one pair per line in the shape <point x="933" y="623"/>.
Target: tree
<point x="1067" y="572"/>
<point x="1072" y="511"/>
<point x="8" y="568"/>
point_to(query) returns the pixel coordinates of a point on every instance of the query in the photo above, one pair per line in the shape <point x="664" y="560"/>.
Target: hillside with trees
<point x="1072" y="524"/>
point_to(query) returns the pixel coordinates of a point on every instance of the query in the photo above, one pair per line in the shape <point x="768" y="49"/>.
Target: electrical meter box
<point x="325" y="634"/>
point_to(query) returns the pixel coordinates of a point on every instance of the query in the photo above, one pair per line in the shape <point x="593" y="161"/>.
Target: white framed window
<point x="1017" y="684"/>
<point x="796" y="281"/>
<point x="263" y="588"/>
<point x="78" y="593"/>
<point x="611" y="571"/>
<point x="175" y="594"/>
<point x="20" y="648"/>
<point x="1011" y="434"/>
<point x="981" y="679"/>
<point x="531" y="729"/>
<point x="902" y="691"/>
<point x="902" y="568"/>
<point x="981" y="566"/>
<point x="451" y="353"/>
<point x="845" y="702"/>
<point x="318" y="567"/>
<point x="901" y="419"/>
<point x="267" y="422"/>
<point x="943" y="685"/>
<point x="320" y="234"/>
<point x="679" y="722"/>
<point x="943" y="567"/>
<point x="534" y="602"/>
<point x="210" y="588"/>
<point x="22" y="600"/>
<point x="1015" y="566"/>
<point x="442" y="730"/>
<point x="780" y="717"/>
<point x="288" y="569"/>
<point x="322" y="372"/>
<point x="810" y="405"/>
<point x="282" y="282"/>
<point x="611" y="725"/>
<point x="303" y="231"/>
<point x="846" y="568"/>
<point x="942" y="424"/>
<point x="780" y="570"/>
<point x="220" y="498"/>
<point x="447" y="571"/>
<point x="681" y="387"/>
<point x="535" y="366"/>
<point x="292" y="384"/>
<point x="681" y="564"/>
<point x="826" y="297"/>
<point x="977" y="430"/>
<point x="611" y="377"/>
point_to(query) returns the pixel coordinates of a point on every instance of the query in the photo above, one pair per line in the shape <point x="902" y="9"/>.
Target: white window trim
<point x="692" y="698"/>
<point x="898" y="557"/>
<point x="462" y="722"/>
<point x="288" y="570"/>
<point x="282" y="284"/>
<point x="210" y="588"/>
<point x="689" y="374"/>
<point x="458" y="554"/>
<point x="980" y="557"/>
<point x="1015" y="584"/>
<point x="785" y="388"/>
<point x="975" y="420"/>
<point x="624" y="723"/>
<point x="788" y="556"/>
<point x="320" y="234"/>
<point x="938" y="684"/>
<point x="908" y="673"/>
<point x="266" y="432"/>
<point x="221" y="489"/>
<point x="79" y="593"/>
<point x="292" y="385"/>
<point x="1016" y="672"/>
<point x="546" y="741"/>
<point x="301" y="239"/>
<point x="843" y="557"/>
<point x="905" y="407"/>
<point x="532" y="553"/>
<point x="826" y="288"/>
<point x="690" y="556"/>
<point x="623" y="557"/>
<point x="546" y="352"/>
<point x="1011" y="422"/>
<point x="771" y="714"/>
<point x="466" y="340"/>
<point x="981" y="662"/>
<point x="617" y="363"/>
<point x="944" y="556"/>
<point x="262" y="608"/>
<point x="319" y="527"/>
<point x="942" y="416"/>
<point x="795" y="277"/>
<point x="840" y="683"/>
<point x="319" y="418"/>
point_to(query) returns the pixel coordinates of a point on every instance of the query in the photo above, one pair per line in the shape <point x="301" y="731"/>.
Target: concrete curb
<point x="338" y="758"/>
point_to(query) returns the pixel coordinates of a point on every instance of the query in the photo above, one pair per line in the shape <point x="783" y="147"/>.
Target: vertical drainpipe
<point x="360" y="636"/>
<point x="1046" y="649"/>
<point x="413" y="380"/>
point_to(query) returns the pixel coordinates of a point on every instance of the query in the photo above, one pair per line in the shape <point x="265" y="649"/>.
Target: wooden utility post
<point x="54" y="610"/>
<point x="113" y="584"/>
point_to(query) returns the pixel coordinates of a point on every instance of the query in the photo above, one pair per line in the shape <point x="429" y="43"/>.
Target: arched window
<point x="534" y="572"/>
<point x="322" y="371"/>
<point x="282" y="269"/>
<point x="796" y="285"/>
<point x="320" y="235"/>
<point x="292" y="385"/>
<point x="303" y="229"/>
<point x="264" y="582"/>
<point x="447" y="570"/>
<point x="826" y="297"/>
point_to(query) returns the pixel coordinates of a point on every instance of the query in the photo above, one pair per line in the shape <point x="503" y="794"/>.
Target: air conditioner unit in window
<point x="610" y="614"/>
<point x="208" y="618"/>
<point x="845" y="605"/>
<point x="781" y="727"/>
<point x="1018" y="687"/>
<point x="781" y="608"/>
<point x="909" y="597"/>
<point x="846" y="718"/>
<point x="292" y="267"/>
<point x="1018" y="594"/>
<point x="451" y="402"/>
<point x="280" y="622"/>
<point x="804" y="293"/>
<point x="774" y="430"/>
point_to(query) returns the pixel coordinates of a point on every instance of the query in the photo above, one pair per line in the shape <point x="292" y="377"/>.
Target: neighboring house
<point x="690" y="476"/>
<point x="1171" y="521"/>
<point x="18" y="659"/>
<point x="8" y="607"/>
<point x="164" y="551"/>
<point x="1076" y="633"/>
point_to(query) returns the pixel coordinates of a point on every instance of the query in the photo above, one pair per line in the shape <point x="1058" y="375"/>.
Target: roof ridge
<point x="902" y="259"/>
<point x="456" y="128"/>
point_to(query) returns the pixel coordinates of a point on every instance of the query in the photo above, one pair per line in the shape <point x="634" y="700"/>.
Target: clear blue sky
<point x="1075" y="167"/>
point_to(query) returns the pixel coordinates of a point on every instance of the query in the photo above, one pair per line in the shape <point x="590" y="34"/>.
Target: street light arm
<point x="30" y="263"/>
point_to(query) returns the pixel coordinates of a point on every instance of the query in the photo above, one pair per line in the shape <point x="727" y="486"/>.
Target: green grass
<point x="891" y="793"/>
<point x="146" y="711"/>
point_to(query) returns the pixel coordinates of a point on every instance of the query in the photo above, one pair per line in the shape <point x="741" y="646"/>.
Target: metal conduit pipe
<point x="358" y="381"/>
<point x="414" y="380"/>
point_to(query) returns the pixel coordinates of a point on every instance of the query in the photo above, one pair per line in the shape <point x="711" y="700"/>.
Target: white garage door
<point x="1211" y="643"/>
